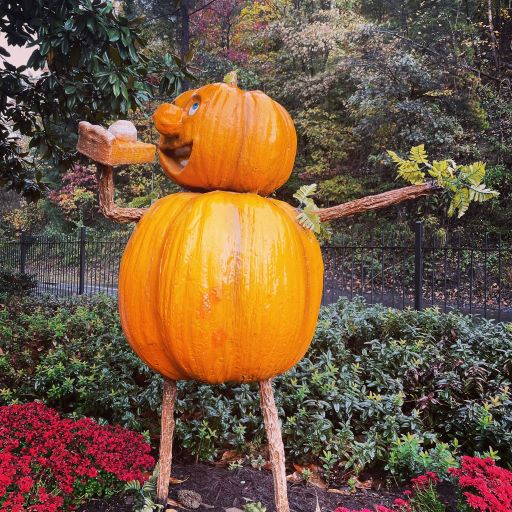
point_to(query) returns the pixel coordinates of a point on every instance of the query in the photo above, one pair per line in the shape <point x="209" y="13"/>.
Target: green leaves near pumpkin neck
<point x="463" y="182"/>
<point x="308" y="212"/>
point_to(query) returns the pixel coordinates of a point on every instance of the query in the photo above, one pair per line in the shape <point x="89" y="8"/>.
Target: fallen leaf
<point x="345" y="492"/>
<point x="170" y="501"/>
<point x="295" y="477"/>
<point x="176" y="481"/>
<point x="227" y="457"/>
<point x="367" y="484"/>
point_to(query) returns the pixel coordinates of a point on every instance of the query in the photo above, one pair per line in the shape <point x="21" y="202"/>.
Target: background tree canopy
<point x="358" y="76"/>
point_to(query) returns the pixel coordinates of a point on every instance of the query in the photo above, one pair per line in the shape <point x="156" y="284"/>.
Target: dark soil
<point x="221" y="488"/>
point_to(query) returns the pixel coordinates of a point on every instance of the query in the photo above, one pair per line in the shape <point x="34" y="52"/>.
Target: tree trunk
<point x="185" y="34"/>
<point x="275" y="445"/>
<point x="166" y="435"/>
<point x="492" y="34"/>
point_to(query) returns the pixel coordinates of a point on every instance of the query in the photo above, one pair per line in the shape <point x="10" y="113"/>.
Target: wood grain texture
<point x="275" y="445"/>
<point x="166" y="437"/>
<point x="377" y="201"/>
<point x="106" y="199"/>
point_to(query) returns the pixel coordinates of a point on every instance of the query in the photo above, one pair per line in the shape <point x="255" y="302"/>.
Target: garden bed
<point x="222" y="488"/>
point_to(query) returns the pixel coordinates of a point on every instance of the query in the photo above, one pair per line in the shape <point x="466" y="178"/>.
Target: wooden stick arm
<point x="106" y="198"/>
<point x="116" y="146"/>
<point x="377" y="201"/>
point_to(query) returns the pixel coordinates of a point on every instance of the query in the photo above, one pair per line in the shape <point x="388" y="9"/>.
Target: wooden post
<point x="166" y="435"/>
<point x="275" y="444"/>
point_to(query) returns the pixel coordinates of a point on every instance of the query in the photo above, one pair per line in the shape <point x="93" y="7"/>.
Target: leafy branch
<point x="308" y="215"/>
<point x="463" y="182"/>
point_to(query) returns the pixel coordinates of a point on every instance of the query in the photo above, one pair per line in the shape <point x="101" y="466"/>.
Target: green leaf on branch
<point x="473" y="173"/>
<point x="418" y="154"/>
<point x="441" y="171"/>
<point x="408" y="170"/>
<point x="303" y="195"/>
<point x="460" y="202"/>
<point x="481" y="193"/>
<point x="463" y="182"/>
<point x="308" y="212"/>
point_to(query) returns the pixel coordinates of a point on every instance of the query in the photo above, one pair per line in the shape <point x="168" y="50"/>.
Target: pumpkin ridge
<point x="291" y="234"/>
<point x="169" y="341"/>
<point x="172" y="253"/>
<point x="133" y="257"/>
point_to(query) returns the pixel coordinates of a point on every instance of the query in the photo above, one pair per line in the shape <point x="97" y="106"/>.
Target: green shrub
<point x="371" y="376"/>
<point x="16" y="283"/>
<point x="408" y="458"/>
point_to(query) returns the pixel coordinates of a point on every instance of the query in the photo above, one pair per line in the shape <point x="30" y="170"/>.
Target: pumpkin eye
<point x="193" y="109"/>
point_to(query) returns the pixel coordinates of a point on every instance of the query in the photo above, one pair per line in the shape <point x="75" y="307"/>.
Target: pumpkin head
<point x="219" y="137"/>
<point x="220" y="287"/>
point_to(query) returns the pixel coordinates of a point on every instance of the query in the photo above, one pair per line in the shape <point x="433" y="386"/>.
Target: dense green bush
<point x="16" y="283"/>
<point x="371" y="376"/>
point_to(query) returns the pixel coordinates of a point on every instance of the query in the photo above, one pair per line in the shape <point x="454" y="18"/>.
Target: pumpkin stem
<point x="232" y="78"/>
<point x="166" y="435"/>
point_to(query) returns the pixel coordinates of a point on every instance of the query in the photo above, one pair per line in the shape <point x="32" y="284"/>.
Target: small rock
<point x="188" y="498"/>
<point x="124" y="130"/>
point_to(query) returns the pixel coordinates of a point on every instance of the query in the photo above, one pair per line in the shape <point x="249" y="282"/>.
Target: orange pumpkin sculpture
<point x="222" y="285"/>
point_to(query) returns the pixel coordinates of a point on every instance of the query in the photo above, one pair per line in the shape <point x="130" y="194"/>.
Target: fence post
<point x="23" y="252"/>
<point x="81" y="278"/>
<point x="418" y="266"/>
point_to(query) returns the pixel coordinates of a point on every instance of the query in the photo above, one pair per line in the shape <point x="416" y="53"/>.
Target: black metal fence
<point x="472" y="274"/>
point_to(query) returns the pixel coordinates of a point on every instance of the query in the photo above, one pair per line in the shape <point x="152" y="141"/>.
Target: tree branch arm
<point x="106" y="198"/>
<point x="377" y="201"/>
<point x="116" y="146"/>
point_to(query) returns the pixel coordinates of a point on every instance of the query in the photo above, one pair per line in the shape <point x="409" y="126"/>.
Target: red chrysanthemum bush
<point x="50" y="464"/>
<point x="483" y="486"/>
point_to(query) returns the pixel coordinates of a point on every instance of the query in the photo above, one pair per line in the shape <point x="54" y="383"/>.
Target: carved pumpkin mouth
<point x="174" y="158"/>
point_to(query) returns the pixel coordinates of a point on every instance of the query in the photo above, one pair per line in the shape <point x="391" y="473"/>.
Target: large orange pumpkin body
<point x="220" y="287"/>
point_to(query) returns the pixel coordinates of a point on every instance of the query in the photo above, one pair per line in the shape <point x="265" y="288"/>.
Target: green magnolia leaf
<point x="418" y="154"/>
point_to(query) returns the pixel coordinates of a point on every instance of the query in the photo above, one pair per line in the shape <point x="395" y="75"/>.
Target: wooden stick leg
<point x="275" y="443"/>
<point x="166" y="435"/>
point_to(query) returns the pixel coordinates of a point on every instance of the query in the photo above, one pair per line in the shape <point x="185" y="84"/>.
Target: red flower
<point x="423" y="481"/>
<point x="487" y="486"/>
<point x="36" y="445"/>
<point x="25" y="484"/>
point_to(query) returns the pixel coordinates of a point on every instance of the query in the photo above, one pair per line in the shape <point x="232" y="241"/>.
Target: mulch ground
<point x="221" y="488"/>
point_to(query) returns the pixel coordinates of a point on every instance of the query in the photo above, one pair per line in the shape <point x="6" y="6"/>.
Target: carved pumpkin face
<point x="219" y="137"/>
<point x="220" y="287"/>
